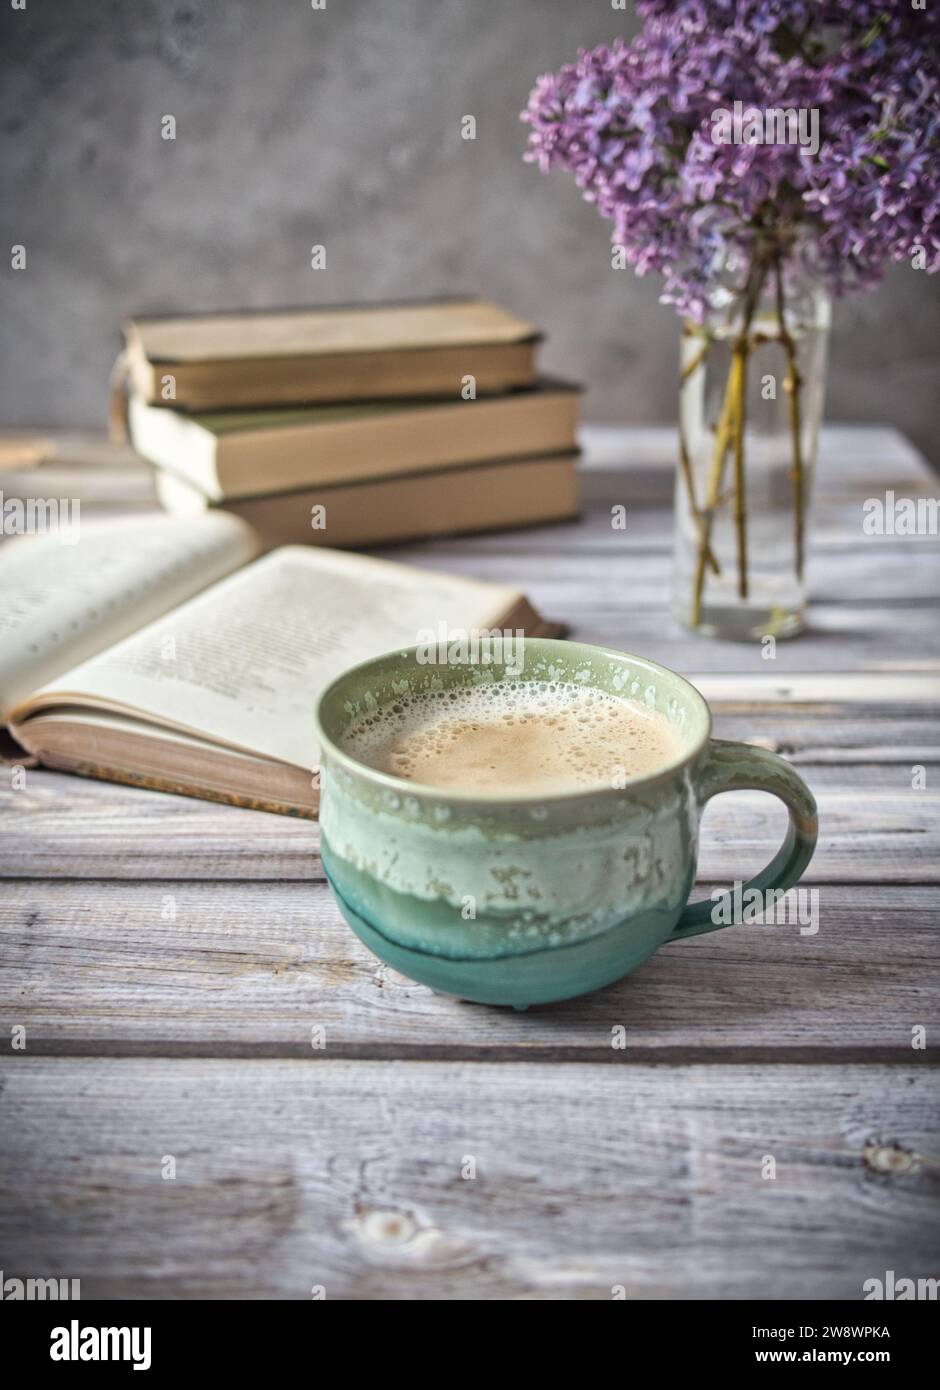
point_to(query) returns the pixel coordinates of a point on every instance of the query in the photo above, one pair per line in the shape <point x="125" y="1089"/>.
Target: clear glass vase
<point x="752" y="387"/>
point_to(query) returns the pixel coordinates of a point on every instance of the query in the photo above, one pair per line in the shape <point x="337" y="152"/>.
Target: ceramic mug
<point x="524" y="899"/>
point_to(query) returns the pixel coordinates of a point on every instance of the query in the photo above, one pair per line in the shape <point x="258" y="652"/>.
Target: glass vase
<point x="752" y="386"/>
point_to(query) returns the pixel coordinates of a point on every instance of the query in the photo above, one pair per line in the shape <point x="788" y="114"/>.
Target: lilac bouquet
<point x="667" y="135"/>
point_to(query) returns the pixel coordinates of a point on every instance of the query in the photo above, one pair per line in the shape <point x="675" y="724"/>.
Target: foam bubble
<point x="524" y="736"/>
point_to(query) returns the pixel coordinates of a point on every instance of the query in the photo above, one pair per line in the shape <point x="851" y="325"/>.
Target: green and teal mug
<point x="520" y="900"/>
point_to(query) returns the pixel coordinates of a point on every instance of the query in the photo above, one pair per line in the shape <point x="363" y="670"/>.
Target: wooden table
<point x="171" y="960"/>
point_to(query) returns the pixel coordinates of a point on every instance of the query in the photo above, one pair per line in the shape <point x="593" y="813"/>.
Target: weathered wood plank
<point x="838" y="539"/>
<point x="856" y="733"/>
<point x="352" y="1177"/>
<point x="249" y="969"/>
<point x="633" y="465"/>
<point x="634" y="567"/>
<point x="835" y="695"/>
<point x="873" y="607"/>
<point x="874" y="600"/>
<point x="837" y="530"/>
<point x="849" y="455"/>
<point x="647" y="495"/>
<point x="875" y="828"/>
<point x="839" y="639"/>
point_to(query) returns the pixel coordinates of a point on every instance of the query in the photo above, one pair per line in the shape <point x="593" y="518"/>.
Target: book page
<point x="243" y="663"/>
<point x="61" y="603"/>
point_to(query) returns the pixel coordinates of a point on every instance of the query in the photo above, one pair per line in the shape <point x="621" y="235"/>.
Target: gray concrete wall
<point x="342" y="127"/>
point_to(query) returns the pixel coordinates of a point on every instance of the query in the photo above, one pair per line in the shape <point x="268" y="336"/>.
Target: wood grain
<point x="875" y="829"/>
<point x="249" y="969"/>
<point x="854" y="461"/>
<point x="347" y="1176"/>
<point x="169" y="959"/>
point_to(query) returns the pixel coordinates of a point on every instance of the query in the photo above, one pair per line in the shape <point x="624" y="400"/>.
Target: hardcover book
<point x="243" y="453"/>
<point x="442" y="502"/>
<point x="344" y="353"/>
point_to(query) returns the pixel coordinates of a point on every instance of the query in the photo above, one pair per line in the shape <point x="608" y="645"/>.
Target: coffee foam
<point x="520" y="736"/>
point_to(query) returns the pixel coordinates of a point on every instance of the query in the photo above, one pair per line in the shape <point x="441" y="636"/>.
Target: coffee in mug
<point x="517" y="833"/>
<point x="525" y="736"/>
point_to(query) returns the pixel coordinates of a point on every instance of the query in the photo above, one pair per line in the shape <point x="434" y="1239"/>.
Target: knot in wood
<point x="385" y="1228"/>
<point x="888" y="1158"/>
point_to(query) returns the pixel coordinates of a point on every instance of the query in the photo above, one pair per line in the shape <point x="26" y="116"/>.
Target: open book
<point x="161" y="652"/>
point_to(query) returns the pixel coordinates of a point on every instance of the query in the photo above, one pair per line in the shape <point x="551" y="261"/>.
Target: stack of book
<point x="354" y="425"/>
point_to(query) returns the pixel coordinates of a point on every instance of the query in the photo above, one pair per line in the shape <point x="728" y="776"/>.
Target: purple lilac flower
<point x="633" y="123"/>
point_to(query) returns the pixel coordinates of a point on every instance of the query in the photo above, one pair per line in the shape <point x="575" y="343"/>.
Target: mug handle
<point x="730" y="766"/>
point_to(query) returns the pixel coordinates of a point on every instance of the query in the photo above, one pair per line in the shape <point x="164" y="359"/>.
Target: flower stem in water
<point x="792" y="386"/>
